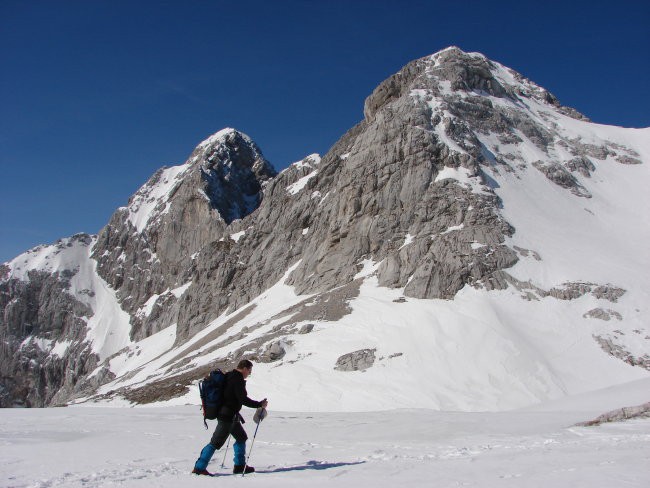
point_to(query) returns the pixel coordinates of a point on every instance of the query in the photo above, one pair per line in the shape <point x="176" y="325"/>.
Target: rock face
<point x="44" y="356"/>
<point x="406" y="191"/>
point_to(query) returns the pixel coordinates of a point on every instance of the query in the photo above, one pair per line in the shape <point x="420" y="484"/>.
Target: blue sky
<point x="97" y="95"/>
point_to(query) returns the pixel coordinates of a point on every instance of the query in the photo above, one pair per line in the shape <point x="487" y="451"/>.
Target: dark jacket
<point x="234" y="396"/>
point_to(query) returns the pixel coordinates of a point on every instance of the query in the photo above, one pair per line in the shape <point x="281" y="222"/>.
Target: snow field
<point x="142" y="447"/>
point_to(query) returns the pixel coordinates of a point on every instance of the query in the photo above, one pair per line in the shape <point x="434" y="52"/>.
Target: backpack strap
<point x="202" y="403"/>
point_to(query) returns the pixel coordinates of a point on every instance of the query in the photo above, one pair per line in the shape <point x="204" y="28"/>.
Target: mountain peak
<point x="232" y="149"/>
<point x="233" y="170"/>
<point x="451" y="75"/>
<point x="223" y="136"/>
<point x="454" y="52"/>
<point x="229" y="170"/>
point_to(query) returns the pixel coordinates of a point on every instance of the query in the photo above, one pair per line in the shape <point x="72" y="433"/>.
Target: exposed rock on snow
<point x="273" y="352"/>
<point x="602" y="314"/>
<point x="573" y="290"/>
<point x="306" y="329"/>
<point x="582" y="165"/>
<point x="620" y="414"/>
<point x="356" y="361"/>
<point x="618" y="351"/>
<point x="560" y="176"/>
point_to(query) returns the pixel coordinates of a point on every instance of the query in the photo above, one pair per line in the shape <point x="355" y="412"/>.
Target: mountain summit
<point x="471" y="244"/>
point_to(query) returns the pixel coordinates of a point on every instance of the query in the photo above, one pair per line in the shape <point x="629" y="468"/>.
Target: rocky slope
<point x="430" y="198"/>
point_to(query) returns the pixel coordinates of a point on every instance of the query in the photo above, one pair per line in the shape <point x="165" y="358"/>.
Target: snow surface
<point x="66" y="254"/>
<point x="295" y="188"/>
<point x="237" y="235"/>
<point x="143" y="447"/>
<point x="407" y="240"/>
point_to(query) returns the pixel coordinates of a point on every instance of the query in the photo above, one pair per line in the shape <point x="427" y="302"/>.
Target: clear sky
<point x="97" y="95"/>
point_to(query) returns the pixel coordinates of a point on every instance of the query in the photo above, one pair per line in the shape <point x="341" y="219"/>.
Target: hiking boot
<point x="201" y="471"/>
<point x="239" y="469"/>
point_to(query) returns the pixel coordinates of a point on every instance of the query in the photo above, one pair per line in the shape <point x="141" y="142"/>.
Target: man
<point x="229" y="420"/>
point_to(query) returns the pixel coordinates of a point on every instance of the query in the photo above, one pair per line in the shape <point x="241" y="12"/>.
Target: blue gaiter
<point x="204" y="458"/>
<point x="240" y="453"/>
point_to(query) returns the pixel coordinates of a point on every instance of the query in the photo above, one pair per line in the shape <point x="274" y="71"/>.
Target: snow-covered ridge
<point x="216" y="137"/>
<point x="65" y="255"/>
<point x="515" y="84"/>
<point x="308" y="162"/>
<point x="152" y="199"/>
<point x="220" y="138"/>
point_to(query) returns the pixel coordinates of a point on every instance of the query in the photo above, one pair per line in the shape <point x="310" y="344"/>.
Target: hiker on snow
<point x="229" y="420"/>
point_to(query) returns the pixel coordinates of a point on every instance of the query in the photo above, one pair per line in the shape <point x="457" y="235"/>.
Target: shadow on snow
<point x="317" y="465"/>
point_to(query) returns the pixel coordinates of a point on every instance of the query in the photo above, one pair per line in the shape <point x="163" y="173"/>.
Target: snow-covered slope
<point x="481" y="351"/>
<point x="470" y="245"/>
<point x="107" y="325"/>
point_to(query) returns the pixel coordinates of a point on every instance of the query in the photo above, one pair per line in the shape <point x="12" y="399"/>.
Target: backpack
<point x="211" y="390"/>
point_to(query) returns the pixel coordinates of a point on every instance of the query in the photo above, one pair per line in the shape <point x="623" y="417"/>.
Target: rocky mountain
<point x="470" y="244"/>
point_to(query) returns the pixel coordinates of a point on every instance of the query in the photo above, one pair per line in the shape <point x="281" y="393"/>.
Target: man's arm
<point x="242" y="397"/>
<point x="252" y="403"/>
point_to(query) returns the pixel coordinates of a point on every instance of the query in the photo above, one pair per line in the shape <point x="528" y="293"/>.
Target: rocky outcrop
<point x="562" y="177"/>
<point x="603" y="314"/>
<point x="566" y="291"/>
<point x="619" y="415"/>
<point x="611" y="347"/>
<point x="356" y="361"/>
<point x="582" y="165"/>
<point x="273" y="351"/>
<point x="573" y="290"/>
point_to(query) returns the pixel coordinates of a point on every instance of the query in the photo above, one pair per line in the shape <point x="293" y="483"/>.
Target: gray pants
<point x="224" y="429"/>
<point x="221" y="432"/>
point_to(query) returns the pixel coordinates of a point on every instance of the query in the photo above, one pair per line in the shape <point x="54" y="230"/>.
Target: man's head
<point x="245" y="367"/>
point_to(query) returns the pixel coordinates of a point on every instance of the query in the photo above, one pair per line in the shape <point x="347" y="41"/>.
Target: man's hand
<point x="264" y="403"/>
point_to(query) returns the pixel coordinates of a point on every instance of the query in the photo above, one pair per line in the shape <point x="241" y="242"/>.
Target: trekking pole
<point x="260" y="415"/>
<point x="223" y="461"/>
